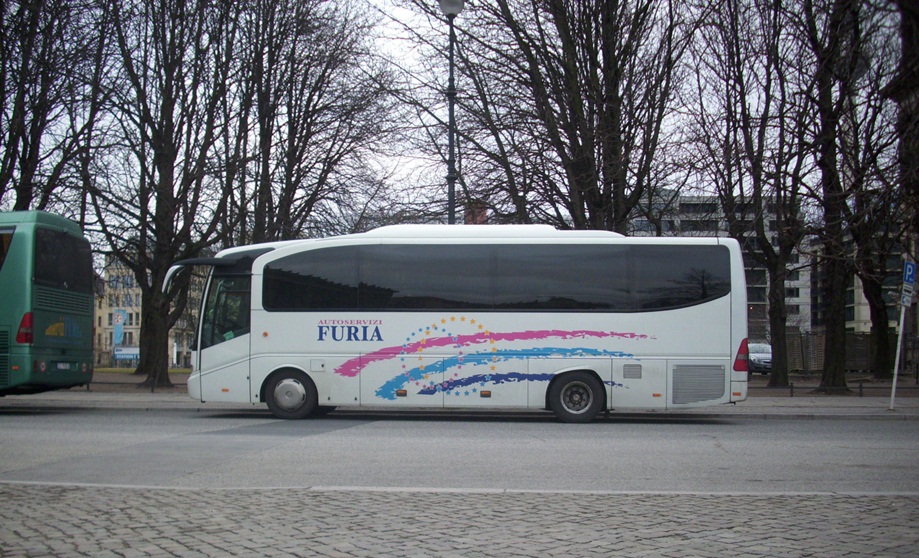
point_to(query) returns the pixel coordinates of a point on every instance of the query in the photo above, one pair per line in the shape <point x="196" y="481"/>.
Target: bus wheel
<point x="290" y="394"/>
<point x="576" y="397"/>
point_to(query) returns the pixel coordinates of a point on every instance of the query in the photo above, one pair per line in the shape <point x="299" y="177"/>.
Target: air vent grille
<point x="693" y="383"/>
<point x="631" y="371"/>
<point x="4" y="357"/>
<point x="62" y="301"/>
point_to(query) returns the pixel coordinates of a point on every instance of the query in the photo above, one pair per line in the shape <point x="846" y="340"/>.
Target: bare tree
<point x="318" y="103"/>
<point x="155" y="203"/>
<point x="563" y="105"/>
<point x="749" y="126"/>
<point x="847" y="55"/>
<point x="876" y="217"/>
<point x="46" y="57"/>
<point x="829" y="29"/>
<point x="800" y="94"/>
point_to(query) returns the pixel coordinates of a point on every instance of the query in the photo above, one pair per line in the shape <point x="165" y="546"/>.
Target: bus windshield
<point x="226" y="310"/>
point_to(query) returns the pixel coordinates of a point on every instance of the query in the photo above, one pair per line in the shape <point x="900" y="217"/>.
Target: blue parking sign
<point x="909" y="273"/>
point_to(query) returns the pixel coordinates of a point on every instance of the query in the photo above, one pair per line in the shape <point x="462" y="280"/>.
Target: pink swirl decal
<point x="353" y="367"/>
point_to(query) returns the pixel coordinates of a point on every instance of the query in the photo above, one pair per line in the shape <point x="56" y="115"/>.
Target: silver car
<point x="760" y="358"/>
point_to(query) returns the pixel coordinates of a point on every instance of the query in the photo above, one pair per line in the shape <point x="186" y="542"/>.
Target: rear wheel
<point x="290" y="394"/>
<point x="576" y="397"/>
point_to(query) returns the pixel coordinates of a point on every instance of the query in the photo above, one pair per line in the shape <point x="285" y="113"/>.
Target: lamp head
<point x="451" y="7"/>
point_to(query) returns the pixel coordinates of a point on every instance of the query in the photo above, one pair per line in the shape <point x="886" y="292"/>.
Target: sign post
<point x="906" y="298"/>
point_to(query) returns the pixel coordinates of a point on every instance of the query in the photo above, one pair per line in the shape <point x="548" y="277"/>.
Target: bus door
<point x="224" y="342"/>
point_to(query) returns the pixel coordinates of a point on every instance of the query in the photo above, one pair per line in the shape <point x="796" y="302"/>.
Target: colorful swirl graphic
<point x="483" y="349"/>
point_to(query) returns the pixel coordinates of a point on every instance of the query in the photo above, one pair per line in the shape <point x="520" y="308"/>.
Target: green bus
<point x="46" y="305"/>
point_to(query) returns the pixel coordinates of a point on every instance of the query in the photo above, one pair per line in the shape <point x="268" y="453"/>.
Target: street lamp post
<point x="451" y="8"/>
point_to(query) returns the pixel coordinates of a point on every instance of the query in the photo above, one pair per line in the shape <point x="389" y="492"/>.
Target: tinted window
<point x="562" y="277"/>
<point x="63" y="261"/>
<point x="317" y="279"/>
<point x="674" y="276"/>
<point x="612" y="278"/>
<point x="425" y="277"/>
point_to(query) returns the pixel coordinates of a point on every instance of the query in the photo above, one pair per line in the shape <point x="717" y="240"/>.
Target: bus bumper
<point x="738" y="391"/>
<point x="194" y="386"/>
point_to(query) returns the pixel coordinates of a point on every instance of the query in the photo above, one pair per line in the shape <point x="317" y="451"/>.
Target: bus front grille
<point x="62" y="301"/>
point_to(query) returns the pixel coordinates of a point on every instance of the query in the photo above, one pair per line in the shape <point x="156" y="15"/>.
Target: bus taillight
<point x="742" y="360"/>
<point x="24" y="335"/>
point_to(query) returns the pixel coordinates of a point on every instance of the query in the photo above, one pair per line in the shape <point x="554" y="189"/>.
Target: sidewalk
<point x="124" y="391"/>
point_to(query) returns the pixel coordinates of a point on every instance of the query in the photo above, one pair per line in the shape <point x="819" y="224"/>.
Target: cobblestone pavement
<point x="62" y="521"/>
<point x="39" y="520"/>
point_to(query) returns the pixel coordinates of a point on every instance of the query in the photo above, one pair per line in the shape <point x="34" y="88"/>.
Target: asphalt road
<point x="177" y="482"/>
<point x="169" y="448"/>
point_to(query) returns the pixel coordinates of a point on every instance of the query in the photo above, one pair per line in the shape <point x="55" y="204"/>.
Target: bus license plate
<point x="63" y="366"/>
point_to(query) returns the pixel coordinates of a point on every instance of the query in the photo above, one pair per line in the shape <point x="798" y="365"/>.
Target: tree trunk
<point x="834" y="360"/>
<point x="777" y="318"/>
<point x="154" y="341"/>
<point x="883" y="364"/>
<point x="830" y="55"/>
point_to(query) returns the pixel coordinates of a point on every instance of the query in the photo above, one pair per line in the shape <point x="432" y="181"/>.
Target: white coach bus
<point x="514" y="316"/>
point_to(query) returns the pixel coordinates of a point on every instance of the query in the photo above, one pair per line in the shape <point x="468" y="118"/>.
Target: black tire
<point x="290" y="394"/>
<point x="576" y="397"/>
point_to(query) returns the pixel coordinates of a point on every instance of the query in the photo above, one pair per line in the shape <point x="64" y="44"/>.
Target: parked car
<point x="760" y="358"/>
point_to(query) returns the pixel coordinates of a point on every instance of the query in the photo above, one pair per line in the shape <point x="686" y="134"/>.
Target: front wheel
<point x="576" y="397"/>
<point x="290" y="394"/>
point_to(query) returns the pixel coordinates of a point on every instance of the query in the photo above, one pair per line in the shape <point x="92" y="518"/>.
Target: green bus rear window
<point x="63" y="261"/>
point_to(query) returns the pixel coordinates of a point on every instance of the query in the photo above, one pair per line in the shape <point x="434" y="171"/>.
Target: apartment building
<point x="858" y="312"/>
<point x="117" y="321"/>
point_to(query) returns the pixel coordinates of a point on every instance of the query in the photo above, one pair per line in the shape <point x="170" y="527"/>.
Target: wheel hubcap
<point x="289" y="394"/>
<point x="576" y="397"/>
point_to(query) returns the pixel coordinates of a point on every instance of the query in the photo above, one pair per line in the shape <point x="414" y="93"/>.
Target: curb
<point x="142" y="400"/>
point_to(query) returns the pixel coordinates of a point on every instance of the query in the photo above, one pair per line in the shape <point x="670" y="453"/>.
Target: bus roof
<point x="484" y="232"/>
<point x="39" y="218"/>
<point x="479" y="231"/>
<point x="437" y="231"/>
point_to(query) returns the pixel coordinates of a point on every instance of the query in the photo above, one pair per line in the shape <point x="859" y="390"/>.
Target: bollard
<point x="791" y="388"/>
<point x="861" y="388"/>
